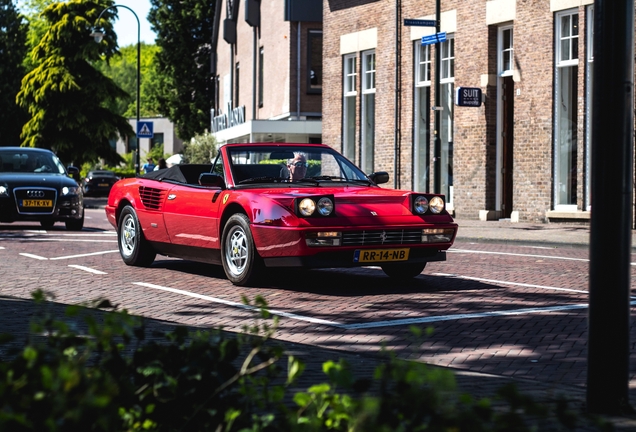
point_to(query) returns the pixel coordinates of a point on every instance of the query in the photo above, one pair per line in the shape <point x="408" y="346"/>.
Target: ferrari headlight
<point x="325" y="206"/>
<point x="420" y="205"/>
<point x="307" y="207"/>
<point x="69" y="190"/>
<point x="437" y="205"/>
<point x="4" y="192"/>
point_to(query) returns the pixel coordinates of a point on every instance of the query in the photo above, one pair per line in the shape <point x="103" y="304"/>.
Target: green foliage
<point x="13" y="36"/>
<point x="184" y="30"/>
<point x="122" y="69"/>
<point x="200" y="149"/>
<point x="156" y="152"/>
<point x="67" y="98"/>
<point x="96" y="369"/>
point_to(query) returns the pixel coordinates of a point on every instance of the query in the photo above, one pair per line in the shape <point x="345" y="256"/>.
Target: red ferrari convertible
<point x="267" y="205"/>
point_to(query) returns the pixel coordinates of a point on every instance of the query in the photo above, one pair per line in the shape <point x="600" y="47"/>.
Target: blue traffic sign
<point x="434" y="38"/>
<point x="145" y="129"/>
<point x="420" y="22"/>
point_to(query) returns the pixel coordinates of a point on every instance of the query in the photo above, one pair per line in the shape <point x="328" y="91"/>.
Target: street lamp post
<point x="99" y="35"/>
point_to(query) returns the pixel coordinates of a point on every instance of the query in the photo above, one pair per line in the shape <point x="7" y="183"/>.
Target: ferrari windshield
<point x="26" y="161"/>
<point x="293" y="164"/>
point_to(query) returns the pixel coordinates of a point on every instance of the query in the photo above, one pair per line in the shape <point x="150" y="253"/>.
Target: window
<point x="261" y="79"/>
<point x="447" y="90"/>
<point x="368" y="111"/>
<point x="506" y="51"/>
<point x="349" y="106"/>
<point x="237" y="86"/>
<point x="565" y="108"/>
<point x="314" y="61"/>
<point x="157" y="139"/>
<point x="589" y="77"/>
<point x="422" y="113"/>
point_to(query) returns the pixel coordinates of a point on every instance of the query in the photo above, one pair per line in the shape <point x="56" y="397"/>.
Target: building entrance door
<point x="507" y="141"/>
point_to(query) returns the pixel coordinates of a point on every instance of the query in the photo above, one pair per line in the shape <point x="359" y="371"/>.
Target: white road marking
<point x="467" y="251"/>
<point x="28" y="255"/>
<point x="84" y="255"/>
<point x="238" y="305"/>
<point x="88" y="269"/>
<point x="510" y="283"/>
<point x="387" y="323"/>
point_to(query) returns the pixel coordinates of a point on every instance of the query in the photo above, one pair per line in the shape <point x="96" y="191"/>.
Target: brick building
<point x="523" y="154"/>
<point x="267" y="71"/>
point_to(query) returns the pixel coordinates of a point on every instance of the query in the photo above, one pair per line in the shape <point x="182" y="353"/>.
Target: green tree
<point x="67" y="98"/>
<point x="200" y="149"/>
<point x="13" y="36"/>
<point x="123" y="70"/>
<point x="184" y="31"/>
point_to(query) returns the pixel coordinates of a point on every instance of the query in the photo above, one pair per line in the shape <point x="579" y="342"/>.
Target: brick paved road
<point x="508" y="310"/>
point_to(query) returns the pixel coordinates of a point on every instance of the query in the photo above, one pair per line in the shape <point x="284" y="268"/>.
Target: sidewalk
<point x="547" y="234"/>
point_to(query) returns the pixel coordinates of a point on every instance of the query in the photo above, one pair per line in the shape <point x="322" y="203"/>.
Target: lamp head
<point x="98" y="35"/>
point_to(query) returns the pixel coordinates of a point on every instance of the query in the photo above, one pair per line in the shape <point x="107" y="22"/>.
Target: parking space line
<point x="238" y="305"/>
<point x="510" y="283"/>
<point x="468" y="251"/>
<point x="84" y="255"/>
<point x="28" y="255"/>
<point x="88" y="269"/>
<point x="386" y="323"/>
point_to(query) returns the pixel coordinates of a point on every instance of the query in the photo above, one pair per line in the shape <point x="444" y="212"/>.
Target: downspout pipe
<point x="396" y="136"/>
<point x="298" y="73"/>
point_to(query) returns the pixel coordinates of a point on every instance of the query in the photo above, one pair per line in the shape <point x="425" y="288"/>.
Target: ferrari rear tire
<point x="133" y="246"/>
<point x="403" y="271"/>
<point x="241" y="261"/>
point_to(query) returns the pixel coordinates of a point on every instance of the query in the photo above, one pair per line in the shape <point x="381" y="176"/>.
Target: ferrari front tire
<point x="241" y="262"/>
<point x="403" y="271"/>
<point x="133" y="246"/>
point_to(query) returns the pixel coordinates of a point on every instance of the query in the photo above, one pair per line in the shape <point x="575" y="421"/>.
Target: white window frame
<point x="502" y="51"/>
<point x="349" y="90"/>
<point x="562" y="64"/>
<point x="367" y="161"/>
<point x="423" y="64"/>
<point x="421" y="168"/>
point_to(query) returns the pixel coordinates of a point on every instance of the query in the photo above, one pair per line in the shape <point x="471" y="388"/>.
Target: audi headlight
<point x="420" y="205"/>
<point x="70" y="190"/>
<point x="437" y="205"/>
<point x="4" y="192"/>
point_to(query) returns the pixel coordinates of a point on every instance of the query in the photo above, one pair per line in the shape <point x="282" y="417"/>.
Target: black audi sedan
<point x="35" y="186"/>
<point x="98" y="182"/>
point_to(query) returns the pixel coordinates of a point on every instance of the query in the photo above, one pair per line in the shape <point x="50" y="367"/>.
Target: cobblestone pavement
<point x="556" y="367"/>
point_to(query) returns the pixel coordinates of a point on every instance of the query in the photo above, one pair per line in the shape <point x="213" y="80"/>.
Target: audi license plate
<point x="380" y="255"/>
<point x="37" y="203"/>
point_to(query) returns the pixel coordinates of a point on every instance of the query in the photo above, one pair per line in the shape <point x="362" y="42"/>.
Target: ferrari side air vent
<point x="151" y="198"/>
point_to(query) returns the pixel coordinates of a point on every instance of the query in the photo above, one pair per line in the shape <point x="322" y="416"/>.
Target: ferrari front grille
<point x="381" y="237"/>
<point x="151" y="198"/>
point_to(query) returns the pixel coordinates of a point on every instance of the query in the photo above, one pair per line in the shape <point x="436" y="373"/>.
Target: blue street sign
<point x="145" y="129"/>
<point x="434" y="38"/>
<point x="420" y="22"/>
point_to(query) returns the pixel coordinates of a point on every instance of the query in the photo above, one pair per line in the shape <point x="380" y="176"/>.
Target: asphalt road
<point x="506" y="310"/>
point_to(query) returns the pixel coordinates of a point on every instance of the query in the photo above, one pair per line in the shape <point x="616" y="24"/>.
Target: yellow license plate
<point x="380" y="255"/>
<point x="37" y="203"/>
<point x="103" y="185"/>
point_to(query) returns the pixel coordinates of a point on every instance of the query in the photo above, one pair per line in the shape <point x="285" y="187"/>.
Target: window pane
<point x="565" y="49"/>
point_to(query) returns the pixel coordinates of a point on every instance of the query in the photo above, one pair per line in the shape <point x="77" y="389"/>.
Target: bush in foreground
<point x="102" y="371"/>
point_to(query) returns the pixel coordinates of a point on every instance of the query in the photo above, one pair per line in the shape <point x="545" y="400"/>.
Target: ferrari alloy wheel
<point x="403" y="271"/>
<point x="240" y="259"/>
<point x="133" y="247"/>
